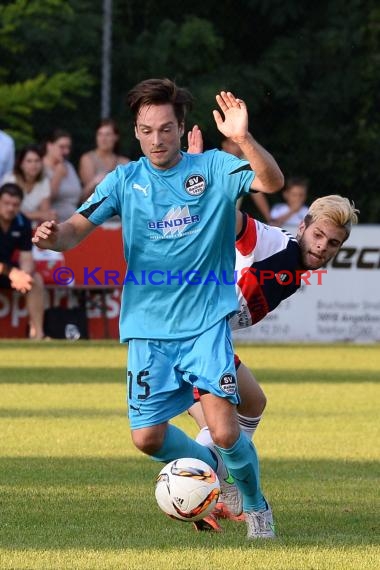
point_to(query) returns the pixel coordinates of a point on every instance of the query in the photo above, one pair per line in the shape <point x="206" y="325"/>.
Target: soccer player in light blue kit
<point x="177" y="213"/>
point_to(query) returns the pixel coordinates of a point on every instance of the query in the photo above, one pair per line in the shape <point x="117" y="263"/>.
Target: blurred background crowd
<point x="309" y="77"/>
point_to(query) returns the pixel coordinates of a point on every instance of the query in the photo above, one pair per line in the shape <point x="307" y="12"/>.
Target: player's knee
<point x="261" y="403"/>
<point x="146" y="440"/>
<point x="254" y="406"/>
<point x="225" y="436"/>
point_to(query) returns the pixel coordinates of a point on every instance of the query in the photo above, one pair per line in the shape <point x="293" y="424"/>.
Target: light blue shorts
<point x="161" y="374"/>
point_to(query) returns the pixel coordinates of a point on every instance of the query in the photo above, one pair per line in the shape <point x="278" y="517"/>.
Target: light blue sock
<point x="243" y="464"/>
<point x="177" y="444"/>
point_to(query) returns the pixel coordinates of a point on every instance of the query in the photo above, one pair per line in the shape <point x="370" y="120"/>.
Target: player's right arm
<point x="234" y="125"/>
<point x="60" y="237"/>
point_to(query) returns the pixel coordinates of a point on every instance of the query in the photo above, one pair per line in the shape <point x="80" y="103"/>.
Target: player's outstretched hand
<point x="235" y="122"/>
<point x="45" y="235"/>
<point x="195" y="140"/>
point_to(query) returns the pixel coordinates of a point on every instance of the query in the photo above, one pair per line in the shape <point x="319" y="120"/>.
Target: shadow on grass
<point x="83" y="375"/>
<point x="62" y="413"/>
<point x="291" y="376"/>
<point x="61" y="375"/>
<point x="108" y="503"/>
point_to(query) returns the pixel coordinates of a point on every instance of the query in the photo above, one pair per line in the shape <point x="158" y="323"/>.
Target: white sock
<point x="248" y="425"/>
<point x="204" y="437"/>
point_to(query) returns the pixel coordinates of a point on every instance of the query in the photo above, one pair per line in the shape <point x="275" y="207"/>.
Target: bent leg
<point x="149" y="439"/>
<point x="252" y="397"/>
<point x="237" y="452"/>
<point x="166" y="442"/>
<point x="253" y="401"/>
<point x="250" y="409"/>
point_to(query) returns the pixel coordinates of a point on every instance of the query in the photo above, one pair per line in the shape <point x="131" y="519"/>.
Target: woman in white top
<point x="293" y="210"/>
<point x="66" y="189"/>
<point x="95" y="164"/>
<point x="29" y="174"/>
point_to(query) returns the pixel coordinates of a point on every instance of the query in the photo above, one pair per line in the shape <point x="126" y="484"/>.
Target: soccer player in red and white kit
<point x="270" y="266"/>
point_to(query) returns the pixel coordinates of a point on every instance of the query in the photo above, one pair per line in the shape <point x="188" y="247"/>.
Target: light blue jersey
<point x="179" y="241"/>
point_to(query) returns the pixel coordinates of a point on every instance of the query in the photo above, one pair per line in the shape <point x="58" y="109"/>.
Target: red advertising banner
<point x="89" y="275"/>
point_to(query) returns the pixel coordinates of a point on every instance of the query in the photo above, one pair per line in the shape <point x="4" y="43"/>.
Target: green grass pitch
<point x="75" y="494"/>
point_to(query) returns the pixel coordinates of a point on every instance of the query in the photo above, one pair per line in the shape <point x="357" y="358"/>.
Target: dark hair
<point x="57" y="134"/>
<point x="110" y="123"/>
<point x="160" y="92"/>
<point x="53" y="136"/>
<point x="20" y="157"/>
<point x="296" y="181"/>
<point x="12" y="189"/>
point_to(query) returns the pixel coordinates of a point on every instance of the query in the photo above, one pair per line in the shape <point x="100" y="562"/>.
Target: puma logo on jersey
<point x="141" y="188"/>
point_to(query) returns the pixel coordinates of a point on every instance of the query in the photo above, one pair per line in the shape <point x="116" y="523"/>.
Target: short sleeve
<point x="237" y="174"/>
<point x="104" y="203"/>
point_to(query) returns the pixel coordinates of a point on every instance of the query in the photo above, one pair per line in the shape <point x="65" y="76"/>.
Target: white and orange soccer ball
<point x="187" y="489"/>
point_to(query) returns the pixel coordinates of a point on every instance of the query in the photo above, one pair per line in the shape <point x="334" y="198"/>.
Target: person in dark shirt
<point x="16" y="240"/>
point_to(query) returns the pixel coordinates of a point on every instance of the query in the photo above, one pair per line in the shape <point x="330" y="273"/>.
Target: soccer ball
<point x="187" y="489"/>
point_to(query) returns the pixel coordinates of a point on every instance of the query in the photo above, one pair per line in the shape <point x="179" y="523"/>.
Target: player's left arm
<point x="234" y="124"/>
<point x="26" y="262"/>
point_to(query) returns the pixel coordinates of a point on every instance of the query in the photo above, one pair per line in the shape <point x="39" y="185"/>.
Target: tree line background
<point x="308" y="71"/>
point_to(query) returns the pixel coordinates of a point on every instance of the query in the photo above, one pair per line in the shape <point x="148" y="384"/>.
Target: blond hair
<point x="334" y="208"/>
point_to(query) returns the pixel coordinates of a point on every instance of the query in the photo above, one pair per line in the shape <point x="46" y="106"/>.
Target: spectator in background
<point x="29" y="174"/>
<point x="66" y="189"/>
<point x="16" y="238"/>
<point x="7" y="154"/>
<point x="293" y="210"/>
<point x="260" y="201"/>
<point x="95" y="164"/>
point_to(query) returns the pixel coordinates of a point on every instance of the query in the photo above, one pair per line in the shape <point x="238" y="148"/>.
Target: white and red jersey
<point x="267" y="270"/>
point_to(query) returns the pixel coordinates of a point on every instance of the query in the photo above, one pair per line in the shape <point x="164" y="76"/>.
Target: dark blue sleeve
<point x="25" y="239"/>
